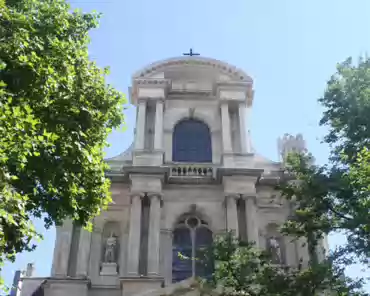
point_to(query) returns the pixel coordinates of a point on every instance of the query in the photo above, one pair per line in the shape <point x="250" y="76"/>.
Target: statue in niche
<point x="110" y="249"/>
<point x="275" y="250"/>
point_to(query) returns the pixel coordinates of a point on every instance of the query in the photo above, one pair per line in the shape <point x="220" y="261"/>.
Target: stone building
<point x="191" y="173"/>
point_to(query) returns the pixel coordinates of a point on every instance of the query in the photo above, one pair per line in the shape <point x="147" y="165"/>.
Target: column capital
<point x="249" y="196"/>
<point x="224" y="102"/>
<point x="136" y="195"/>
<point x="142" y="100"/>
<point x="159" y="100"/>
<point x="152" y="195"/>
<point x="235" y="196"/>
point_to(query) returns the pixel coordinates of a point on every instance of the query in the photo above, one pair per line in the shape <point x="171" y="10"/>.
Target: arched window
<point x="191" y="142"/>
<point x="191" y="238"/>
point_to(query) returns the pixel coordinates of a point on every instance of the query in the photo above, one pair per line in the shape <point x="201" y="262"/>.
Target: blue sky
<point x="289" y="47"/>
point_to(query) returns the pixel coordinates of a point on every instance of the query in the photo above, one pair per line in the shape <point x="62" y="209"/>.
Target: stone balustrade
<point x="192" y="172"/>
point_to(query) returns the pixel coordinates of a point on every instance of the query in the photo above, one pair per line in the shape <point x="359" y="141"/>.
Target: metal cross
<point x="191" y="53"/>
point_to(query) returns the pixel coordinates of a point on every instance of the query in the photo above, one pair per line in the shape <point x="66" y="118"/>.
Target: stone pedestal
<point x="131" y="286"/>
<point x="70" y="287"/>
<point x="108" y="269"/>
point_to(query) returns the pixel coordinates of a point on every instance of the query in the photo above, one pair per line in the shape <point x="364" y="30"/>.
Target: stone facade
<point x="130" y="250"/>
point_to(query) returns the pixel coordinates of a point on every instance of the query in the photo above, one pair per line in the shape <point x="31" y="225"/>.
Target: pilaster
<point x="134" y="236"/>
<point x="158" y="129"/>
<point x="62" y="249"/>
<point x="242" y="128"/>
<point x="83" y="253"/>
<point x="232" y="213"/>
<point x="140" y="125"/>
<point x="166" y="253"/>
<point x="251" y="219"/>
<point x="154" y="234"/>
<point x="225" y="120"/>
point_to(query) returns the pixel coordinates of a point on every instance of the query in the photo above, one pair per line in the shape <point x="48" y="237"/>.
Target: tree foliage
<point x="337" y="196"/>
<point x="56" y="111"/>
<point x="325" y="199"/>
<point x="244" y="270"/>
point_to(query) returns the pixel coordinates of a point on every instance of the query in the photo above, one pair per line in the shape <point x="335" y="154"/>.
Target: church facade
<point x="190" y="174"/>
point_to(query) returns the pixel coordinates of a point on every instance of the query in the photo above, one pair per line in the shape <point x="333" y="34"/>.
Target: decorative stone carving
<point x="111" y="249"/>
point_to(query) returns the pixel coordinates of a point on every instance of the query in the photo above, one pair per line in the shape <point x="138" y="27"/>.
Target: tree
<point x="337" y="196"/>
<point x="242" y="269"/>
<point x="325" y="199"/>
<point x="56" y="111"/>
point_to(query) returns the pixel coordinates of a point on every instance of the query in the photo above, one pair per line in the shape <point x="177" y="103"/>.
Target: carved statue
<point x="275" y="249"/>
<point x="110" y="249"/>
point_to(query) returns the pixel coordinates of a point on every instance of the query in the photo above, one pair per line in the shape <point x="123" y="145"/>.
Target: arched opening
<point x="191" y="142"/>
<point x="191" y="239"/>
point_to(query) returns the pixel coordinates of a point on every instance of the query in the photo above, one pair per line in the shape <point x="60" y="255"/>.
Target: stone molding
<point x="251" y="196"/>
<point x="152" y="99"/>
<point x="207" y="119"/>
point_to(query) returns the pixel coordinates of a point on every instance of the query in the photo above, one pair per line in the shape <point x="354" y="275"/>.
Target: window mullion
<point x="193" y="253"/>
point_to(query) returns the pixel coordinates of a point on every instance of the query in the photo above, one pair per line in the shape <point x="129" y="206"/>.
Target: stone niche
<point x="110" y="249"/>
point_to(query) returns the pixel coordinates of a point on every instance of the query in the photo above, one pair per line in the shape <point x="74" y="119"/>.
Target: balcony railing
<point x="192" y="172"/>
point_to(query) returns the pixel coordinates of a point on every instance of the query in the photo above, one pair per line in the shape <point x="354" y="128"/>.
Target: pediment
<point x="186" y="66"/>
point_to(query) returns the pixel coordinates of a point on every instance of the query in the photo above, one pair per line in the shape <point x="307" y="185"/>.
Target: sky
<point x="290" y="48"/>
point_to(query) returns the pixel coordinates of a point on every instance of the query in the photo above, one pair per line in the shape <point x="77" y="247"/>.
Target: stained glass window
<point x="191" y="142"/>
<point x="191" y="240"/>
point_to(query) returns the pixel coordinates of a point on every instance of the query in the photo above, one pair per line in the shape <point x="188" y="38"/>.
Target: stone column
<point x="154" y="235"/>
<point x="83" y="253"/>
<point x="232" y="214"/>
<point x="251" y="219"/>
<point x="158" y="129"/>
<point x="140" y="125"/>
<point x="62" y="249"/>
<point x="134" y="236"/>
<point x="242" y="128"/>
<point x="226" y="134"/>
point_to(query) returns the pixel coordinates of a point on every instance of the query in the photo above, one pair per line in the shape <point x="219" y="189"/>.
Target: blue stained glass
<point x="191" y="142"/>
<point x="181" y="255"/>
